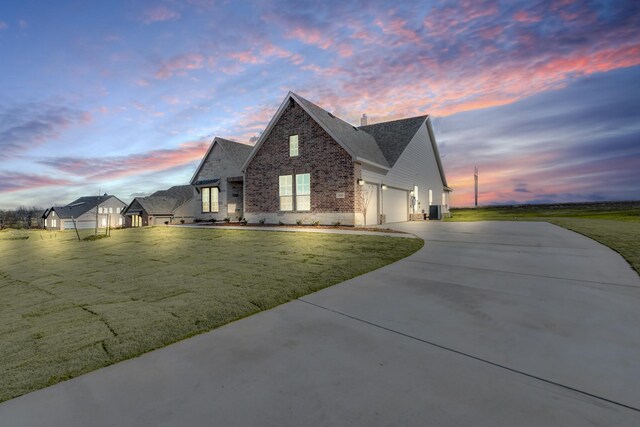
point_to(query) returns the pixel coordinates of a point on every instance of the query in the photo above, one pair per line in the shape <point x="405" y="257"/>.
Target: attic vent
<point x="355" y="128"/>
<point x="331" y="115"/>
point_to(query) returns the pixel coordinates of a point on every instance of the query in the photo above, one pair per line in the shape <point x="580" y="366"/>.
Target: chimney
<point x="363" y="120"/>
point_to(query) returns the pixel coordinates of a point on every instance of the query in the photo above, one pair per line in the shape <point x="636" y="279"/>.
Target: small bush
<point x="243" y="221"/>
<point x="316" y="223"/>
<point x="227" y="220"/>
<point x="182" y="221"/>
<point x="262" y="221"/>
<point x="337" y="223"/>
<point x="166" y="223"/>
<point x="298" y="222"/>
<point x="280" y="223"/>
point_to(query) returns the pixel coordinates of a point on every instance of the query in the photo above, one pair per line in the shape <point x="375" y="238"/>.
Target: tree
<point x="366" y="195"/>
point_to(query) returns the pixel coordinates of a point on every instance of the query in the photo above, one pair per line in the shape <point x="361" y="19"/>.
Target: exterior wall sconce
<point x="384" y="186"/>
<point x="360" y="181"/>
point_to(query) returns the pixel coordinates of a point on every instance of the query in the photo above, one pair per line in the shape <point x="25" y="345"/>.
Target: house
<point x="218" y="181"/>
<point x="162" y="207"/>
<point x="106" y="209"/>
<point x="309" y="165"/>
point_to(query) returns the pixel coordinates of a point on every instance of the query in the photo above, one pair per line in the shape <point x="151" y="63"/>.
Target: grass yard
<point x="616" y="225"/>
<point x="69" y="307"/>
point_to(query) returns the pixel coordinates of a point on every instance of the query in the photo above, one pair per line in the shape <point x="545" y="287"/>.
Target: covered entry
<point x="395" y="204"/>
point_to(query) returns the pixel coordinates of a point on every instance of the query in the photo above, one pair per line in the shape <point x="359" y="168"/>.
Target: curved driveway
<point x="491" y="323"/>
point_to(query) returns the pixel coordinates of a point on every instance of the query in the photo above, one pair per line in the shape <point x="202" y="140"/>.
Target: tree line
<point x="22" y="217"/>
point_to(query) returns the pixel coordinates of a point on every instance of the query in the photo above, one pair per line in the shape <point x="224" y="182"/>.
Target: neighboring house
<point x="218" y="181"/>
<point x="171" y="206"/>
<point x="84" y="211"/>
<point x="309" y="165"/>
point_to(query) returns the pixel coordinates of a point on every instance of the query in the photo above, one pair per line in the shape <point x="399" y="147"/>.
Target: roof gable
<point x="393" y="137"/>
<point x="359" y="144"/>
<point x="82" y="205"/>
<point x="237" y="152"/>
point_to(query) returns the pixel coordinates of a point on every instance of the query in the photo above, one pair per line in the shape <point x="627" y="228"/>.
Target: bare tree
<point x="366" y="195"/>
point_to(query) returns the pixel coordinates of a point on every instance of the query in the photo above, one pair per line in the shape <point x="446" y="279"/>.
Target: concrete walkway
<point x="489" y="324"/>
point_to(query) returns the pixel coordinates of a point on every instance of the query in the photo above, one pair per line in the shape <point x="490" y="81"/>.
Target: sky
<point x="124" y="97"/>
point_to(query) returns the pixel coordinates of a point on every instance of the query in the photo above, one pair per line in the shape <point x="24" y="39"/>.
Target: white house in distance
<point x="84" y="211"/>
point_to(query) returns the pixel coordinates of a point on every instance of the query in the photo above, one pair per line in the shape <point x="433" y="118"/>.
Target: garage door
<point x="395" y="205"/>
<point x="371" y="198"/>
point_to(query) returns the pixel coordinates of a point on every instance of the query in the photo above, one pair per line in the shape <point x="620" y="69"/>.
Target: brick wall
<point x="331" y="167"/>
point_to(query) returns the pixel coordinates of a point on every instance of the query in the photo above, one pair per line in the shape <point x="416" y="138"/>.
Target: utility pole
<point x="475" y="178"/>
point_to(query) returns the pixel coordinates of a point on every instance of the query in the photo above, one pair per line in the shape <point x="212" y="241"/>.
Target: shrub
<point x="182" y="221"/>
<point x="280" y="223"/>
<point x="262" y="221"/>
<point x="316" y="223"/>
<point x="298" y="222"/>
<point x="166" y="223"/>
<point x="243" y="221"/>
<point x="227" y="220"/>
<point x="337" y="223"/>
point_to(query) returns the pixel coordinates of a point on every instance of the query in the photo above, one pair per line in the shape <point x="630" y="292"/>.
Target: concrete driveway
<point x="489" y="324"/>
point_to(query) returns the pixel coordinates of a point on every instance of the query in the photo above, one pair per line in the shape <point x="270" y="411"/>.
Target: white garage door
<point x="371" y="197"/>
<point x="395" y="205"/>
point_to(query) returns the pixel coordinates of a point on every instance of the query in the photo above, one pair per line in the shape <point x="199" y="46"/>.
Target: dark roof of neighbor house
<point x="393" y="137"/>
<point x="361" y="144"/>
<point x="163" y="202"/>
<point x="81" y="206"/>
<point x="238" y="152"/>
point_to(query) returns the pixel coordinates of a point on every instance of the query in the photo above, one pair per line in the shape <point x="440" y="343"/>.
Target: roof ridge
<point x="396" y="120"/>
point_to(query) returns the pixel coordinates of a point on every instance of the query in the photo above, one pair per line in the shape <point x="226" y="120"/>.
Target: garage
<point x="395" y="205"/>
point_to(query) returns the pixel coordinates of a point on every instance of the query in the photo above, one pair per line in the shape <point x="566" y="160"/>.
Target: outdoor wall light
<point x="384" y="186"/>
<point x="360" y="181"/>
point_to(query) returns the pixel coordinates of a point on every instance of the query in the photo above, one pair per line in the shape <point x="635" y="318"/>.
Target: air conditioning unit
<point x="383" y="219"/>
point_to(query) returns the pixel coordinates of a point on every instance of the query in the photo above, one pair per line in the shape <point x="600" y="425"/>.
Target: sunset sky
<point x="124" y="97"/>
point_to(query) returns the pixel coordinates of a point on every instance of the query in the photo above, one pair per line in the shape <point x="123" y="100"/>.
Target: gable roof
<point x="394" y="136"/>
<point x="81" y="206"/>
<point x="164" y="201"/>
<point x="236" y="151"/>
<point x="359" y="144"/>
<point x="380" y="144"/>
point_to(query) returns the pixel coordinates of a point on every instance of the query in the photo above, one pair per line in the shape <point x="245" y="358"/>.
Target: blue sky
<point x="125" y="97"/>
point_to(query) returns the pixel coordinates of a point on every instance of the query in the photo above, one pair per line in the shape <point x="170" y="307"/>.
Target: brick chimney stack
<point x="363" y="120"/>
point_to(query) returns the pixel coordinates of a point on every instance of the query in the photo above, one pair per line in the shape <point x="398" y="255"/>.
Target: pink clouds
<point x="179" y="64"/>
<point x="115" y="167"/>
<point x="17" y="181"/>
<point x="524" y="16"/>
<point x="159" y="14"/>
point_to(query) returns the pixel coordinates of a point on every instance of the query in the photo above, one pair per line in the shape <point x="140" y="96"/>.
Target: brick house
<point x="218" y="182"/>
<point x="84" y="211"/>
<point x="172" y="206"/>
<point x="309" y="165"/>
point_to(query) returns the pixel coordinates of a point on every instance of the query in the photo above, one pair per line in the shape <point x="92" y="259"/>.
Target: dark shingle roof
<point x="80" y="206"/>
<point x="237" y="151"/>
<point x="393" y="137"/>
<point x="361" y="144"/>
<point x="164" y="201"/>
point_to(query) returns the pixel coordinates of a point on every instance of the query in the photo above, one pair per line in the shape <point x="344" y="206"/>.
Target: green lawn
<point x="616" y="225"/>
<point x="69" y="307"/>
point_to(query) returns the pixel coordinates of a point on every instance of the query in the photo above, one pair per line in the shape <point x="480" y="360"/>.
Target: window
<point x="444" y="199"/>
<point x="430" y="197"/>
<point x="286" y="192"/>
<point x="53" y="214"/>
<point x="303" y="192"/>
<point x="54" y="222"/>
<point x="99" y="210"/>
<point x="117" y="210"/>
<point x="104" y="222"/>
<point x="293" y="145"/>
<point x="210" y="199"/>
<point x="110" y="210"/>
<point x="119" y="220"/>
